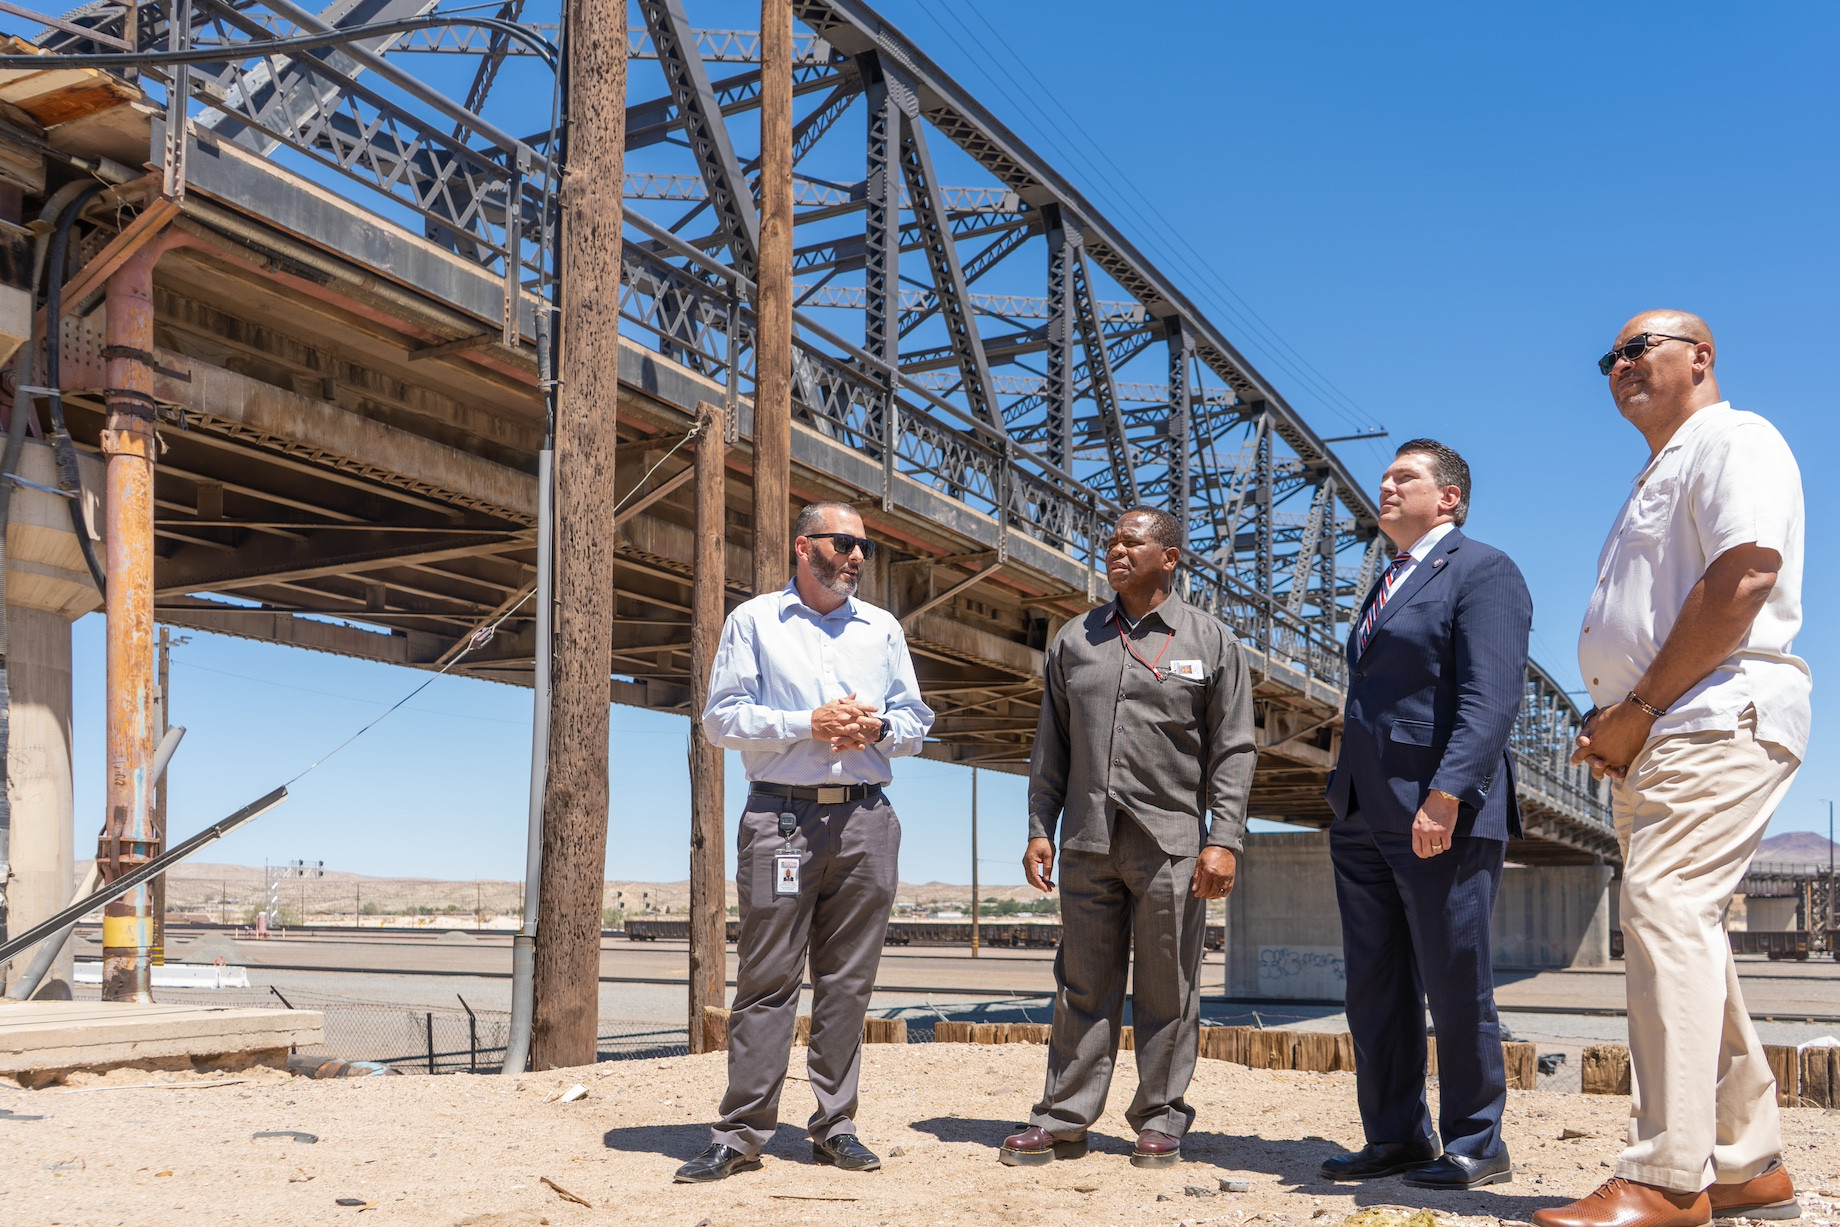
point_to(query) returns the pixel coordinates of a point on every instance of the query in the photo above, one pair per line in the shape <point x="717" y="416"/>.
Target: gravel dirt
<point x="132" y="1147"/>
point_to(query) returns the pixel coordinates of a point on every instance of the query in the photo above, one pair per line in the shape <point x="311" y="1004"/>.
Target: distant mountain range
<point x="1803" y="846"/>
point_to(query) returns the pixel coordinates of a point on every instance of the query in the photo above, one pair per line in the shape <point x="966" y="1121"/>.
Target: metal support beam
<point x="1181" y="344"/>
<point x="128" y="442"/>
<point x="704" y="129"/>
<point x="882" y="214"/>
<point x="948" y="276"/>
<point x="1104" y="390"/>
<point x="708" y="894"/>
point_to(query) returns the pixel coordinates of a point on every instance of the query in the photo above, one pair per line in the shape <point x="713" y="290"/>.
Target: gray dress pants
<point x="847" y="876"/>
<point x="1131" y="902"/>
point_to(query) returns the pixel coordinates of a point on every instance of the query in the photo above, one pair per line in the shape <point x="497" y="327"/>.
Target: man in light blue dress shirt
<point x="817" y="691"/>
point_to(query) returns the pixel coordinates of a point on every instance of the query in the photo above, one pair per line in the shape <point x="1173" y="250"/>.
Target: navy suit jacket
<point x="1433" y="698"/>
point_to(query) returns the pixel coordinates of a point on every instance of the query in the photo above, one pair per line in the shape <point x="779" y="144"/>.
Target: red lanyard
<point x="1124" y="637"/>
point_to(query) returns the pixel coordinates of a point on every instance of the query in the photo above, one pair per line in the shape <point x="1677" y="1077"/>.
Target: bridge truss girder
<point x="1025" y="425"/>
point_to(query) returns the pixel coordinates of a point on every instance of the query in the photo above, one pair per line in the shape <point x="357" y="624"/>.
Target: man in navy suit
<point x="1424" y="802"/>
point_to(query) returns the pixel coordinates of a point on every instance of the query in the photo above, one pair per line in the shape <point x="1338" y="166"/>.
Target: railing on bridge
<point x="940" y="390"/>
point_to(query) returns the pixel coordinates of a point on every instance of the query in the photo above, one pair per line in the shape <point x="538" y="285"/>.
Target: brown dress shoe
<point x="1771" y="1195"/>
<point x="1156" y="1150"/>
<point x="1035" y="1146"/>
<point x="1629" y="1203"/>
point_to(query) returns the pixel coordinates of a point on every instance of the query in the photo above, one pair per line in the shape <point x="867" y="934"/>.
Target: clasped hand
<point x="1611" y="737"/>
<point x="847" y="723"/>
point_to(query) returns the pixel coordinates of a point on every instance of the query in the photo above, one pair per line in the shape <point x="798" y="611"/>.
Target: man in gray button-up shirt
<point x="1145" y="733"/>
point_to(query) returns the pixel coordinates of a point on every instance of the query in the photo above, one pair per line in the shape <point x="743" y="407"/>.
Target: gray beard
<point x="830" y="576"/>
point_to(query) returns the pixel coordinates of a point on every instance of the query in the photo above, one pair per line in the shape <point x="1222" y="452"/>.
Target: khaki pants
<point x="1689" y="818"/>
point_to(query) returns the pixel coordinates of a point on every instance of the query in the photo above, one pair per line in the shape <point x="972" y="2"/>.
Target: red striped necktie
<point x="1388" y="582"/>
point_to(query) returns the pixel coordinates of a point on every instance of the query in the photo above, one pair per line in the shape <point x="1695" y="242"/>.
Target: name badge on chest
<point x="1189" y="670"/>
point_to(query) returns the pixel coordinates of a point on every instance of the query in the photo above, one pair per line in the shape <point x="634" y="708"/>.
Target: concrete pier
<point x="1284" y="931"/>
<point x="47" y="588"/>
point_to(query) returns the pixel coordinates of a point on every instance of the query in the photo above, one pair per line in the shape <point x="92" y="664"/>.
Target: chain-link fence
<point x="421" y="1039"/>
<point x="416" y="1039"/>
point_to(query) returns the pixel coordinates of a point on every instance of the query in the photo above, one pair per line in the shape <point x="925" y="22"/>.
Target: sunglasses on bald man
<point x="1633" y="349"/>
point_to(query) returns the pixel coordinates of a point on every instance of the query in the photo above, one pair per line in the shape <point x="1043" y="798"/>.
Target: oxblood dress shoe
<point x="719" y="1162"/>
<point x="1377" y="1159"/>
<point x="1628" y="1203"/>
<point x="1035" y="1146"/>
<point x="1156" y="1149"/>
<point x="845" y="1153"/>
<point x="1771" y="1195"/>
<point x="1460" y="1172"/>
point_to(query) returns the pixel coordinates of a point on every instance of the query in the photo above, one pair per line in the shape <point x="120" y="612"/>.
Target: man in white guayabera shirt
<point x="1701" y="722"/>
<point x="817" y="691"/>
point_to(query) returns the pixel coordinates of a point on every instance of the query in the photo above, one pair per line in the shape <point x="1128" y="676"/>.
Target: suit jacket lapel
<point x="1354" y="631"/>
<point x="1423" y="573"/>
<point x="1426" y="570"/>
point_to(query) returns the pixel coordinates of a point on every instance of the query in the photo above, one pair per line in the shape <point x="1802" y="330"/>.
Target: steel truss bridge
<point x="347" y="297"/>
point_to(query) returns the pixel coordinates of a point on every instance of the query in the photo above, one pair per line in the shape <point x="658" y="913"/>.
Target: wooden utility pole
<point x="708" y="865"/>
<point x="773" y="353"/>
<point x="565" y="1021"/>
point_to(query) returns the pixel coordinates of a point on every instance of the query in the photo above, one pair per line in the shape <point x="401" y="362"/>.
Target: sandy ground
<point x="476" y="1150"/>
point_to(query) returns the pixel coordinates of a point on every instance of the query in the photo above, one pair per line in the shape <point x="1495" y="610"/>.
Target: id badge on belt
<point x="786" y="862"/>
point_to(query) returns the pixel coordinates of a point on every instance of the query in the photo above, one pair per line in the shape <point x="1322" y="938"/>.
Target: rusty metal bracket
<point x="82" y="290"/>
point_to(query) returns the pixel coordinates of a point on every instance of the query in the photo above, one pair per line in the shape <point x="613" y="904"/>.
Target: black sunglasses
<point x="844" y="543"/>
<point x="1633" y="349"/>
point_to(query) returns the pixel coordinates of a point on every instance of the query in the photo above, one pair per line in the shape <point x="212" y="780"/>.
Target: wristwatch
<point x="1455" y="799"/>
<point x="881" y="736"/>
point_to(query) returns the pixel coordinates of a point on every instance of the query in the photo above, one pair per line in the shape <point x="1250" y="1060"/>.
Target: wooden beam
<point x="80" y="291"/>
<point x="708" y="892"/>
<point x="908" y="618"/>
<point x="455" y="346"/>
<point x="575" y="803"/>
<point x="662" y="491"/>
<point x="773" y="310"/>
<point x="285" y="563"/>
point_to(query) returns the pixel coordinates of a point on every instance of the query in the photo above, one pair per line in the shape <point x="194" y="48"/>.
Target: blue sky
<point x="1446" y="210"/>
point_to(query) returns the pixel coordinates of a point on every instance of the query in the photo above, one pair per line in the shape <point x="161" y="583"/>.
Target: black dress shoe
<point x="1377" y="1159"/>
<point x="719" y="1162"/>
<point x="1461" y="1172"/>
<point x="845" y="1153"/>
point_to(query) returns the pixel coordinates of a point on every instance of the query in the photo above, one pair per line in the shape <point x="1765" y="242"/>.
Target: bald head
<point x="1669" y="379"/>
<point x="1674" y="323"/>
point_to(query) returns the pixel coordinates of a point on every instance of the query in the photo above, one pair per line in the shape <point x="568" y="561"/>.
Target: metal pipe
<point x="524" y="945"/>
<point x="974" y="864"/>
<point x="40" y="966"/>
<point x="128" y="442"/>
<point x="145" y="873"/>
<point x="35" y="971"/>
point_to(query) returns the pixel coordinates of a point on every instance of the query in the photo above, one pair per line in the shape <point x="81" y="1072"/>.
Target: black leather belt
<point x="823" y="794"/>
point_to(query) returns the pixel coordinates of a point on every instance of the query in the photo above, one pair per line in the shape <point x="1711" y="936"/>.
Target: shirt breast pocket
<point x="1652" y="509"/>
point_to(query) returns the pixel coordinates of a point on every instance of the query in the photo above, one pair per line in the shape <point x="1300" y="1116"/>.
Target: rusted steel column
<point x="128" y="443"/>
<point x="773" y="357"/>
<point x="708" y="864"/>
